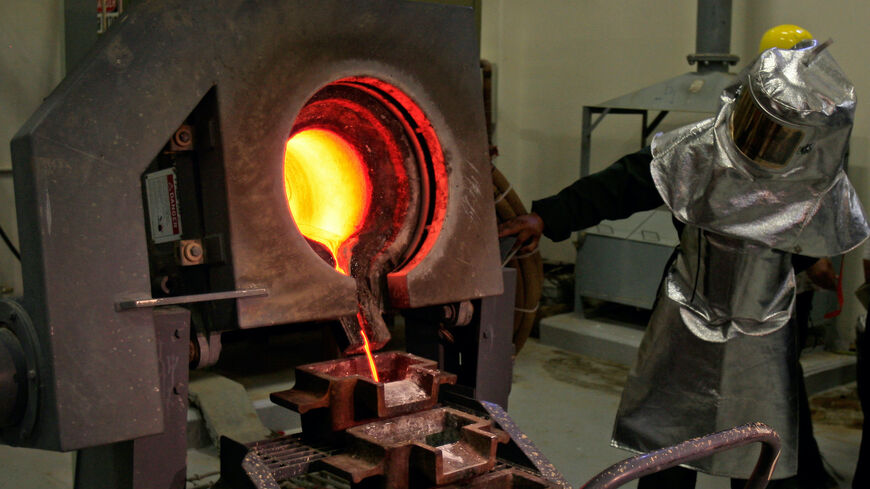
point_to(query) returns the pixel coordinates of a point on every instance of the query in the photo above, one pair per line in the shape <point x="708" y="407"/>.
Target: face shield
<point x="768" y="167"/>
<point x="768" y="142"/>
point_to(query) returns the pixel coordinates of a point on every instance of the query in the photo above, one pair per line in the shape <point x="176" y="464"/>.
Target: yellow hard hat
<point x="785" y="36"/>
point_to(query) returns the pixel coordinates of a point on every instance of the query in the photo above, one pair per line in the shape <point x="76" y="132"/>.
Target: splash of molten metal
<point x="328" y="189"/>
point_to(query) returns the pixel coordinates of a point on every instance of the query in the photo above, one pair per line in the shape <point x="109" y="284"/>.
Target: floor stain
<point x="839" y="407"/>
<point x="587" y="372"/>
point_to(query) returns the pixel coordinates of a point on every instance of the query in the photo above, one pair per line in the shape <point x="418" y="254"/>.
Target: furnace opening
<point x="366" y="185"/>
<point x="362" y="174"/>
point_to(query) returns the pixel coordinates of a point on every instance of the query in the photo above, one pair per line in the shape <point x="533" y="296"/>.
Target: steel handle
<point x="648" y="463"/>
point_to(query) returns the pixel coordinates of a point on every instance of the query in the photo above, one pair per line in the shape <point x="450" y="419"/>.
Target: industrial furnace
<point x="218" y="165"/>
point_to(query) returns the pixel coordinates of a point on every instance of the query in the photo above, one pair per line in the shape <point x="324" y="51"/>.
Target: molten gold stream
<point x="367" y="348"/>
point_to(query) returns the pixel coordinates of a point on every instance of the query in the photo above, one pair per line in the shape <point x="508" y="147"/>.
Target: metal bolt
<point x="31" y="374"/>
<point x="192" y="252"/>
<point x="448" y="312"/>
<point x="183" y="136"/>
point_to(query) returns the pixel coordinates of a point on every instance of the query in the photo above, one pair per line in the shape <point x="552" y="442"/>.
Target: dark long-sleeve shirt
<point x="620" y="190"/>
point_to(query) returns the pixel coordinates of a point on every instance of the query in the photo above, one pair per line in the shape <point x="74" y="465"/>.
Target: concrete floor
<point x="575" y="436"/>
<point x="563" y="401"/>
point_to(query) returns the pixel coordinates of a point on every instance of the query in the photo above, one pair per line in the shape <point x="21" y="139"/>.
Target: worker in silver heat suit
<point x="761" y="181"/>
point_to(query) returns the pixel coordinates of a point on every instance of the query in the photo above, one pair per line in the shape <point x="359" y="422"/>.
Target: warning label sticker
<point x="162" y="192"/>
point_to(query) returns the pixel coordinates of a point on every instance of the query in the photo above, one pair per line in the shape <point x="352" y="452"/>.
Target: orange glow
<point x="367" y="348"/>
<point x="328" y="189"/>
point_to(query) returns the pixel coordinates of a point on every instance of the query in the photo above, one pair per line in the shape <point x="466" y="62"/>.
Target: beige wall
<point x="31" y="65"/>
<point x="552" y="57"/>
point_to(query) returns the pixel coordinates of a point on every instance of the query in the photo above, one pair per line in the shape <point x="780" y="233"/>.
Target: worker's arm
<point x="623" y="188"/>
<point x="620" y="190"/>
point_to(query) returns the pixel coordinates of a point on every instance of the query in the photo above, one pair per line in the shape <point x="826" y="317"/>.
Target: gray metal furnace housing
<point x="239" y="71"/>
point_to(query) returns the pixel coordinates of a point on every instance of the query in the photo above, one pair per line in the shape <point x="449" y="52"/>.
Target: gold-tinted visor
<point x="760" y="137"/>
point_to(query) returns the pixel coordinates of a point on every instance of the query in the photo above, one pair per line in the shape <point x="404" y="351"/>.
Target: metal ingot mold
<point x="335" y="395"/>
<point x="434" y="447"/>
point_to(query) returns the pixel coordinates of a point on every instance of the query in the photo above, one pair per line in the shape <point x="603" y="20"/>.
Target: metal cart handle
<point x="696" y="448"/>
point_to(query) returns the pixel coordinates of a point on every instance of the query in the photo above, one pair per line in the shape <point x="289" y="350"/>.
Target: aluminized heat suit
<point x="760" y="181"/>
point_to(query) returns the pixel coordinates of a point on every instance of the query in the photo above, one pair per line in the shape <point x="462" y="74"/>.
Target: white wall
<point x="552" y="57"/>
<point x="31" y="65"/>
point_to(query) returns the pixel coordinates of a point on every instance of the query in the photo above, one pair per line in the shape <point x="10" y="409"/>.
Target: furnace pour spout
<point x="367" y="327"/>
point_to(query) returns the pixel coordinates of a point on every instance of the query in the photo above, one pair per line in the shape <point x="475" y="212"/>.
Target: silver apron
<point x="720" y="349"/>
<point x="719" y="352"/>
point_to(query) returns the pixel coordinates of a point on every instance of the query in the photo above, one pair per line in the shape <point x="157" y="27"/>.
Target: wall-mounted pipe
<point x="714" y="26"/>
<point x="713" y="37"/>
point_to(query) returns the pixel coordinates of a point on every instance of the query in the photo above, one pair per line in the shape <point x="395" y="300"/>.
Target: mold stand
<point x="480" y="353"/>
<point x="156" y="460"/>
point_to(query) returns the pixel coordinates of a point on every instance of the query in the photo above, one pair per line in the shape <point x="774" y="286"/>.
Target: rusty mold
<point x="510" y="478"/>
<point x="338" y="394"/>
<point x="434" y="447"/>
<point x="285" y="462"/>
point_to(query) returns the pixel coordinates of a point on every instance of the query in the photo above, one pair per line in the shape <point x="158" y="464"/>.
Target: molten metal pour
<point x="366" y="346"/>
<point x="329" y="193"/>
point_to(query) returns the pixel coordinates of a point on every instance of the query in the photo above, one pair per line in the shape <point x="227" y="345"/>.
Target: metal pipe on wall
<point x="713" y="34"/>
<point x="713" y="37"/>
